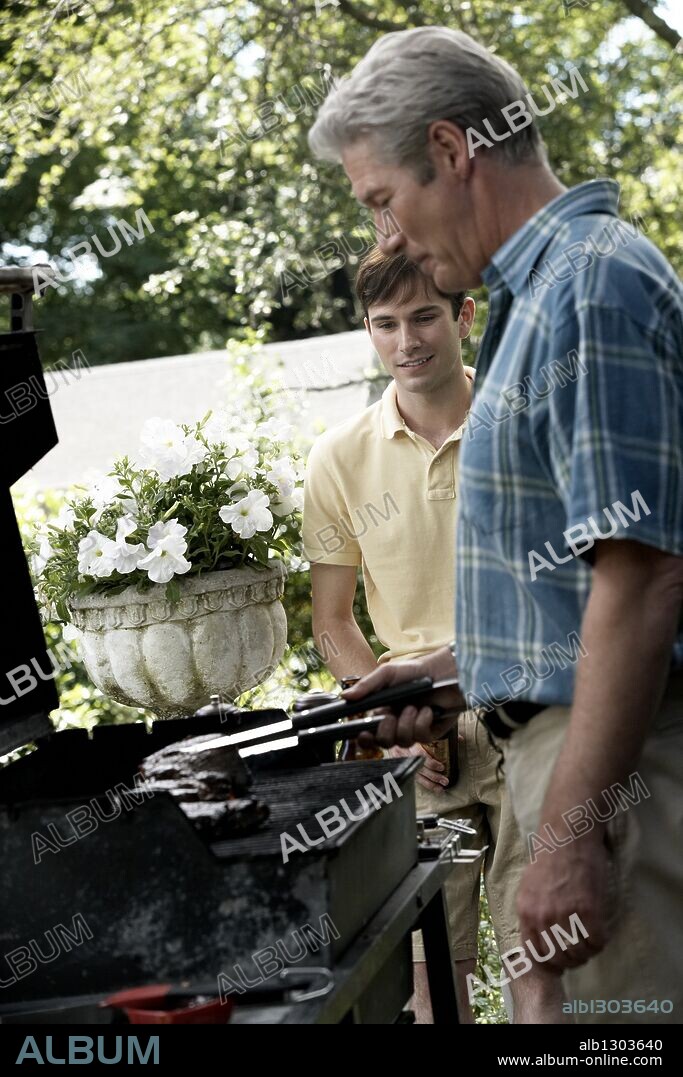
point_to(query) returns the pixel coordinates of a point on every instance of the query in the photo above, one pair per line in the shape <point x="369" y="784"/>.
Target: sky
<point x="672" y="12"/>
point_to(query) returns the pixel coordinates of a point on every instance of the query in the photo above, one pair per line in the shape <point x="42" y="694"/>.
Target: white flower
<point x="65" y="518"/>
<point x="283" y="476"/>
<point x="73" y="636"/>
<point x="166" y="529"/>
<point x="62" y="521"/>
<point x="45" y="552"/>
<point x="238" y="489"/>
<point x="168" y="450"/>
<point x="243" y="465"/>
<point x="289" y="504"/>
<point x="219" y="428"/>
<point x="125" y="527"/>
<point x="70" y="634"/>
<point x="96" y="555"/>
<point x="275" y="429"/>
<point x="46" y="609"/>
<point x="167" y="543"/>
<point x="102" y="491"/>
<point x="127" y="557"/>
<point x="129" y="506"/>
<point x="249" y="515"/>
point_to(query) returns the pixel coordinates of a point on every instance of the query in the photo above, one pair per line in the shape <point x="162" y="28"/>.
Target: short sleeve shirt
<point x="378" y="495"/>
<point x="575" y="434"/>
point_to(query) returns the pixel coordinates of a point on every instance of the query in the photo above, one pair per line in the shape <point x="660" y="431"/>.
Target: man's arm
<point x="347" y="652"/>
<point x="335" y="629"/>
<point x="628" y="630"/>
<point x="333" y="581"/>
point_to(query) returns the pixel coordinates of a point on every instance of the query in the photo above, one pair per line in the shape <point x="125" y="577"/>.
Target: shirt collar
<point x="390" y="417"/>
<point x="512" y="263"/>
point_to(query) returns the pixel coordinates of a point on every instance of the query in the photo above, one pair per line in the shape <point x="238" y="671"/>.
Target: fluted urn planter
<point x="226" y="634"/>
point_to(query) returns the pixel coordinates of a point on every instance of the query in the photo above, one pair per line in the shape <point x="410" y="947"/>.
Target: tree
<point x="196" y="112"/>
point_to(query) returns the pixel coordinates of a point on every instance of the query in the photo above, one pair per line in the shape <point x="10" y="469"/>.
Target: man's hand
<point x="414" y="723"/>
<point x="572" y="881"/>
<point x="432" y="775"/>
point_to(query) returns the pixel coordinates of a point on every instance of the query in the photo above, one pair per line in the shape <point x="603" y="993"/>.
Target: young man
<point x="589" y="472"/>
<point x="380" y="492"/>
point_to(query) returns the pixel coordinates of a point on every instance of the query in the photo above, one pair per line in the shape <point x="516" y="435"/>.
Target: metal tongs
<point x="256" y="737"/>
<point x="449" y="848"/>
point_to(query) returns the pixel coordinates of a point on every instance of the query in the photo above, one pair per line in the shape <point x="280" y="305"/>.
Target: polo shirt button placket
<point x="440" y="479"/>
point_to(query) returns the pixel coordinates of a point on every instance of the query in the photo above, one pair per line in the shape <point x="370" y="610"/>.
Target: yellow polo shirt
<point x="378" y="495"/>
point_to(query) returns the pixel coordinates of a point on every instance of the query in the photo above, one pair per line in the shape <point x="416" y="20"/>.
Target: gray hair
<point x="411" y="78"/>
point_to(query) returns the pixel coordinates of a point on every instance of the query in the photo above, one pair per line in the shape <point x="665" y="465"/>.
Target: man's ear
<point x="366" y="323"/>
<point x="447" y="142"/>
<point x="466" y="318"/>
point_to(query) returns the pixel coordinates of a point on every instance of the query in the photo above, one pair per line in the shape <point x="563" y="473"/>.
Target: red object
<point x="154" y="1005"/>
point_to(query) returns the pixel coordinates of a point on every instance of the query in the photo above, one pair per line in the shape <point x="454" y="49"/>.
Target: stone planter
<point x="226" y="634"/>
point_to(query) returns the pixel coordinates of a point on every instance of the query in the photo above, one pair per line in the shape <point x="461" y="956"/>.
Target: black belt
<point x="517" y="713"/>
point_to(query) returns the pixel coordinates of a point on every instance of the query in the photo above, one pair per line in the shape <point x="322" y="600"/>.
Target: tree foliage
<point x="197" y="112"/>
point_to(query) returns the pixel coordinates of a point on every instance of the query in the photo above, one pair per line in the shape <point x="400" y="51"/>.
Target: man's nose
<point x="407" y="339"/>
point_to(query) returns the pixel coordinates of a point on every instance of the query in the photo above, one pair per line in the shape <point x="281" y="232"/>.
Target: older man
<point x="401" y="455"/>
<point x="570" y="528"/>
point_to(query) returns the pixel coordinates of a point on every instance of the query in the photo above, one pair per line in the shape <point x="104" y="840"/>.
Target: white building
<point x="100" y="410"/>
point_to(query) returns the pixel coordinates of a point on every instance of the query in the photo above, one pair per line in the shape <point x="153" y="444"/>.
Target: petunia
<point x="96" y="555"/>
<point x="167" y="544"/>
<point x="127" y="557"/>
<point x="242" y="465"/>
<point x="219" y="429"/>
<point x="283" y="476"/>
<point x="45" y="552"/>
<point x="168" y="450"/>
<point x="102" y="489"/>
<point x="71" y="635"/>
<point x="274" y="429"/>
<point x="166" y="529"/>
<point x="294" y="502"/>
<point x="248" y="515"/>
<point x="65" y="518"/>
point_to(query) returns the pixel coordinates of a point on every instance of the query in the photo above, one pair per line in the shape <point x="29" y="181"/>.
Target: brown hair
<point x="392" y="276"/>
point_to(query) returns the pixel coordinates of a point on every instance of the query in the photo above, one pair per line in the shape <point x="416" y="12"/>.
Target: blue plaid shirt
<point x="575" y="433"/>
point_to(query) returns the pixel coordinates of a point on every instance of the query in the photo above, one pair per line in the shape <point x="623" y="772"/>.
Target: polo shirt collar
<point x="391" y="420"/>
<point x="512" y="263"/>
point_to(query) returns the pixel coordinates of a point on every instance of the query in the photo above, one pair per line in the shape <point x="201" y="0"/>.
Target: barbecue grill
<point x="160" y="903"/>
<point x="110" y="886"/>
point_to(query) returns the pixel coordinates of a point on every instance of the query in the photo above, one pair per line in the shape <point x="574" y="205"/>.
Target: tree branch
<point x="642" y="9"/>
<point x="362" y="15"/>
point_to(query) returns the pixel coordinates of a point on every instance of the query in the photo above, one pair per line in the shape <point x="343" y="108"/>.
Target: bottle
<point x="351" y="750"/>
<point x="441" y="750"/>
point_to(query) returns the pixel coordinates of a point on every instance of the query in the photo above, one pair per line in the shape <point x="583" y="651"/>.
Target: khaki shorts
<point x="480" y="796"/>
<point x="643" y="959"/>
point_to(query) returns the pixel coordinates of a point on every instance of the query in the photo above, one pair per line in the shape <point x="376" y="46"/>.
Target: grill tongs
<point x="323" y="723"/>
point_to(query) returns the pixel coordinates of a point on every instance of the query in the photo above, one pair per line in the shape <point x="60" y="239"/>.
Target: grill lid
<point x="27" y="433"/>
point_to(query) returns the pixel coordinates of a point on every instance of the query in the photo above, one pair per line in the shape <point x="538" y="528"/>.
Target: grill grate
<point x="295" y="796"/>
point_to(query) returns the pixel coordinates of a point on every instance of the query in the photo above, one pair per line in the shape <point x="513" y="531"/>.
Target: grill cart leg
<point x="434" y="926"/>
